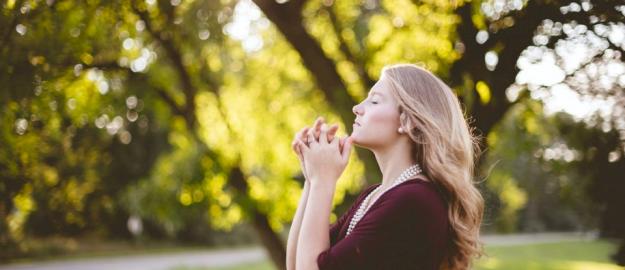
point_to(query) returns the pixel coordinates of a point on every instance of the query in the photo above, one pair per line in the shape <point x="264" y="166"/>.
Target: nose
<point x="355" y="109"/>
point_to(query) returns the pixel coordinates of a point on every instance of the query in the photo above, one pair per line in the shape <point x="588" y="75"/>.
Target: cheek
<point x="384" y="119"/>
<point x="381" y="126"/>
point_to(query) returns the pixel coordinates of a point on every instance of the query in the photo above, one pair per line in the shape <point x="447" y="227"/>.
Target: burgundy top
<point x="406" y="228"/>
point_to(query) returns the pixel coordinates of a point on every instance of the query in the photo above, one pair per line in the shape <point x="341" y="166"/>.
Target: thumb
<point x="347" y="148"/>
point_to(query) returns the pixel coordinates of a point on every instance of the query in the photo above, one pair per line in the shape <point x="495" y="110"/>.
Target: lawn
<point x="569" y="255"/>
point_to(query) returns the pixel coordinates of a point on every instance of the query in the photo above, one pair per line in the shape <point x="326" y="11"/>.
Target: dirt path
<point x="164" y="261"/>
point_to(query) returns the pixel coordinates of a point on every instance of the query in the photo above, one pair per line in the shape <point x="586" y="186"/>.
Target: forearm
<point x="314" y="237"/>
<point x="291" y="246"/>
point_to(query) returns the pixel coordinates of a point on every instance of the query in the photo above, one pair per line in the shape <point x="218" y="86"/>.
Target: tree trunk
<point x="270" y="239"/>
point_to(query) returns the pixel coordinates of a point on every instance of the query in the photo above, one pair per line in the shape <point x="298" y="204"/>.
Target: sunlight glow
<point x="247" y="25"/>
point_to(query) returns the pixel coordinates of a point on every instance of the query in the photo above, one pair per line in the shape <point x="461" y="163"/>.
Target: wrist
<point x="319" y="184"/>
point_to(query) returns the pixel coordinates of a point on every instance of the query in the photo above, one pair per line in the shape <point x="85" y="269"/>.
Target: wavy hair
<point x="446" y="148"/>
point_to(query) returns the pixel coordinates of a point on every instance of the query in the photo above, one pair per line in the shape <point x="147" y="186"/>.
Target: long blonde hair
<point x="445" y="148"/>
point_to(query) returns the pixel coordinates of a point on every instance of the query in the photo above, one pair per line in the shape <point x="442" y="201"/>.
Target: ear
<point x="404" y="121"/>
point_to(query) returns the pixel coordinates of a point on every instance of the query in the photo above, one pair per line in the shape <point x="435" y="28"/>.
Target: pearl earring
<point x="400" y="130"/>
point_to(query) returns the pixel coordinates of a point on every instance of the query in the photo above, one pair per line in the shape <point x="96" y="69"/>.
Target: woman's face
<point x="377" y="117"/>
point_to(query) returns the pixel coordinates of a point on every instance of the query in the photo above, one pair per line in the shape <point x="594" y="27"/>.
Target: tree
<point x="66" y="129"/>
<point x="135" y="52"/>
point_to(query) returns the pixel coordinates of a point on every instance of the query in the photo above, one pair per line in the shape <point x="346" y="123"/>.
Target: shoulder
<point x="416" y="186"/>
<point x="416" y="194"/>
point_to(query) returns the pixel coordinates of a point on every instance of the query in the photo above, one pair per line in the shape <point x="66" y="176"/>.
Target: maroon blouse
<point x="406" y="228"/>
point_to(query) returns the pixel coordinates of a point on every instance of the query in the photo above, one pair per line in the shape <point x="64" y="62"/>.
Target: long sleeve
<point x="406" y="228"/>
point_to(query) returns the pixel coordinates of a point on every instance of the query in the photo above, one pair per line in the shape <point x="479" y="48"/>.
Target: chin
<point x="370" y="142"/>
<point x="357" y="141"/>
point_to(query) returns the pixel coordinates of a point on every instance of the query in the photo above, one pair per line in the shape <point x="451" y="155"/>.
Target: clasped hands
<point x="323" y="156"/>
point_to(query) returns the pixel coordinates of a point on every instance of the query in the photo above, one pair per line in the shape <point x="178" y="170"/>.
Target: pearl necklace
<point x="364" y="206"/>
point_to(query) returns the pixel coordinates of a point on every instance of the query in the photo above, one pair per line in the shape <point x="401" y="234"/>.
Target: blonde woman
<point x="424" y="214"/>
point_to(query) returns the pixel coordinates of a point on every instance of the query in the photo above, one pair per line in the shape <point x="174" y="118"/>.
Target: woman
<point x="425" y="213"/>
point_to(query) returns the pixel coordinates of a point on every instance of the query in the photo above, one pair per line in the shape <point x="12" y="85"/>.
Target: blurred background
<point x="155" y="134"/>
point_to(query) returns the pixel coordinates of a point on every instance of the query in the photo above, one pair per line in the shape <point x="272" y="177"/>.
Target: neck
<point x="393" y="160"/>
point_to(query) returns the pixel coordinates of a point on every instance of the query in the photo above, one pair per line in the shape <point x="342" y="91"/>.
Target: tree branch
<point x="174" y="55"/>
<point x="288" y="19"/>
<point x="356" y="61"/>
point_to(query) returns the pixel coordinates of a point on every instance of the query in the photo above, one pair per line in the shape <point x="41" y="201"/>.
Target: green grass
<point x="263" y="265"/>
<point x="568" y="255"/>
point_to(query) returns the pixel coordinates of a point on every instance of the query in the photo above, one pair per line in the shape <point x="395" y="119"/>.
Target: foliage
<point x="533" y="171"/>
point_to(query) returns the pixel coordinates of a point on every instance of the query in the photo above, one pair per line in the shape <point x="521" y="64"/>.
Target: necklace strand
<point x="365" y="205"/>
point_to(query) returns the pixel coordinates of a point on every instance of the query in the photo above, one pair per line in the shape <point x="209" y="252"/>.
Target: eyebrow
<point x="374" y="93"/>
